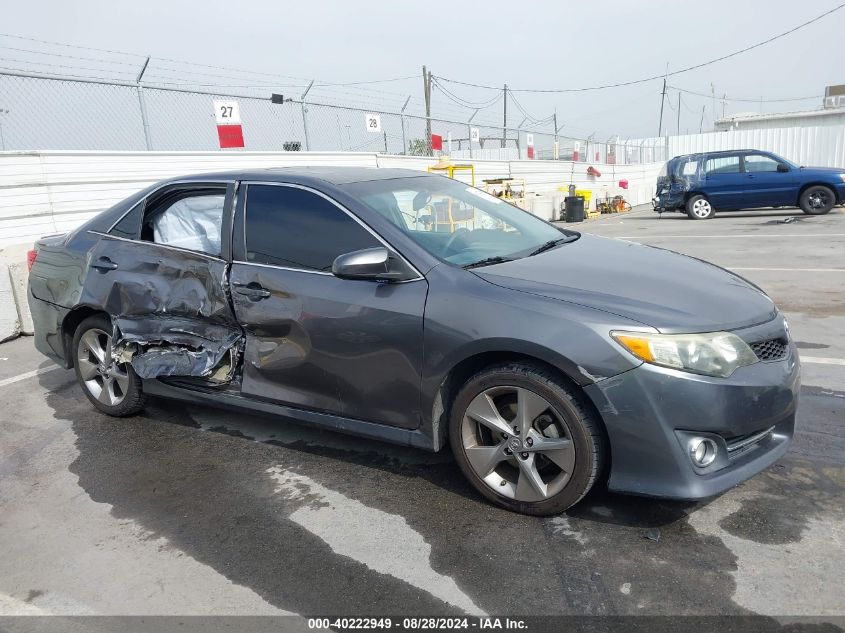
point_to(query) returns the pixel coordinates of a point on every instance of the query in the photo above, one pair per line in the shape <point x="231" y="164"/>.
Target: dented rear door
<point x="170" y="306"/>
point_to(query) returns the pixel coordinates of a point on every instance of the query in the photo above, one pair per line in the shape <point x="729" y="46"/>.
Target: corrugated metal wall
<point x="820" y="146"/>
<point x="54" y="191"/>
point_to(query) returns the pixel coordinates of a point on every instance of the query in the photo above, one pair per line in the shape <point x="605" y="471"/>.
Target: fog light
<point x="702" y="451"/>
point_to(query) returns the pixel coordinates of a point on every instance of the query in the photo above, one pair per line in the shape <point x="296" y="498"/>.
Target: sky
<point x="542" y="44"/>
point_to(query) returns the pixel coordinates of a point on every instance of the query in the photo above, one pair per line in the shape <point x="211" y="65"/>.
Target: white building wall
<point x="820" y="146"/>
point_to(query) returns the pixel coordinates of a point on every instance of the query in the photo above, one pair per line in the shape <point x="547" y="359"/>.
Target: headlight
<point x="712" y="354"/>
<point x="842" y="176"/>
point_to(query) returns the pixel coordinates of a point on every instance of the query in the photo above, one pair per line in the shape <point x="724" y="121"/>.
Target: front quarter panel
<point x="466" y="316"/>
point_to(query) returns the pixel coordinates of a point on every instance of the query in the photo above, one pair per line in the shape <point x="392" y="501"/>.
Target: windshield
<point x="457" y="223"/>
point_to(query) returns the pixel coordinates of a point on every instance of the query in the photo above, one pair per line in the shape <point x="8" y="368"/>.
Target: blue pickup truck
<point x="701" y="184"/>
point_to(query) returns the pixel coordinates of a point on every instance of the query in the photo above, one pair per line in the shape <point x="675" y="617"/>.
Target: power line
<point x="737" y="99"/>
<point x="86" y="48"/>
<point x="532" y="119"/>
<point x="465" y="103"/>
<point x="662" y="75"/>
<point x="52" y="65"/>
<point x="199" y="65"/>
<point x="65" y="56"/>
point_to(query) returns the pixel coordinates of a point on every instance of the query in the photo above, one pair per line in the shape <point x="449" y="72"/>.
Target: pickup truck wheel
<point x="113" y="388"/>
<point x="817" y="200"/>
<point x="525" y="440"/>
<point x="699" y="208"/>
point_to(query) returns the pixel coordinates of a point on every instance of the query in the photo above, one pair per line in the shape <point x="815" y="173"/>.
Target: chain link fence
<point x="65" y="113"/>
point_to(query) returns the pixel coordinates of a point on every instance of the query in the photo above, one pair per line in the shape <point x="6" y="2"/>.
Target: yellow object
<point x="444" y="164"/>
<point x="587" y="194"/>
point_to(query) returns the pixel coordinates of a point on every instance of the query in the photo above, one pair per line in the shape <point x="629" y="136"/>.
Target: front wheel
<point x="112" y="387"/>
<point x="817" y="200"/>
<point x="525" y="440"/>
<point x="699" y="208"/>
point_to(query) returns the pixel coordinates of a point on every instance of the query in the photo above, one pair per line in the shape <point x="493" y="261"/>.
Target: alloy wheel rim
<point x="818" y="199"/>
<point x="518" y="444"/>
<point x="701" y="208"/>
<point x="105" y="379"/>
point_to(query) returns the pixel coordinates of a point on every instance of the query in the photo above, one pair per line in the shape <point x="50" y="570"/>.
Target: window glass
<point x="455" y="222"/>
<point x="689" y="168"/>
<point x="755" y="163"/>
<point x="295" y="228"/>
<point x="193" y="222"/>
<point x="130" y="225"/>
<point x="723" y="165"/>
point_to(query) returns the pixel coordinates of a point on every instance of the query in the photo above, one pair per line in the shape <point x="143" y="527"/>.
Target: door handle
<point x="251" y="290"/>
<point x="103" y="264"/>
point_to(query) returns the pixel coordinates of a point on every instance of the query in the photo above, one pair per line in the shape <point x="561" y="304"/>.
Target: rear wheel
<point x="817" y="200"/>
<point x="699" y="208"/>
<point x="525" y="440"/>
<point x="112" y="387"/>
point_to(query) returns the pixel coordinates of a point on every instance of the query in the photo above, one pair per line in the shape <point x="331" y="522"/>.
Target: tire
<point x="505" y="460"/>
<point x="112" y="388"/>
<point x="817" y="200"/>
<point x="699" y="208"/>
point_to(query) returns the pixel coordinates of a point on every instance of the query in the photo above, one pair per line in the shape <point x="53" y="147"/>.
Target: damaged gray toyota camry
<point x="412" y="308"/>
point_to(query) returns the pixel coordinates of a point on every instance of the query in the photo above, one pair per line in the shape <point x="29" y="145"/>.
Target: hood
<point x="823" y="170"/>
<point x="663" y="289"/>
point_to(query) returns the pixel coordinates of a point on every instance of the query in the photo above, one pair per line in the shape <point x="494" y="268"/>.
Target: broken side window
<point x="193" y="222"/>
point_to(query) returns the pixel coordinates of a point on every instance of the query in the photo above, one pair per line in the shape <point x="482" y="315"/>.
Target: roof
<point x="304" y="175"/>
<point x="781" y="115"/>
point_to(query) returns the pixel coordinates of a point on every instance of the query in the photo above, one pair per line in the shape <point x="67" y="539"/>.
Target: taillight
<point x="30" y="258"/>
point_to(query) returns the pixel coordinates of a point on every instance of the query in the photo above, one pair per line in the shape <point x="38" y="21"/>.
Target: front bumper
<point x="650" y="411"/>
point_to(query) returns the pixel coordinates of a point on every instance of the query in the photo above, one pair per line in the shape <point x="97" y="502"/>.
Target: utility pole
<point x="724" y="101"/>
<point x="427" y="96"/>
<point x="505" y="117"/>
<point x="145" y="120"/>
<point x="713" y="98"/>
<point x="701" y="123"/>
<point x="679" y="112"/>
<point x="304" y="110"/>
<point x="469" y="131"/>
<point x="402" y="120"/>
<point x="662" y="99"/>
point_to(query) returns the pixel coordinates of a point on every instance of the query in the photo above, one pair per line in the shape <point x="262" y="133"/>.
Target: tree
<point x="418" y="147"/>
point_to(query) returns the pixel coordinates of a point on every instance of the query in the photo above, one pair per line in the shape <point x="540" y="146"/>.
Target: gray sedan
<point x="413" y="308"/>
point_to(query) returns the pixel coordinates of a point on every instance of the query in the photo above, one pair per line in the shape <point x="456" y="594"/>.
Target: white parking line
<point x="744" y="235"/>
<point x="822" y="361"/>
<point x="798" y="270"/>
<point x="29" y="374"/>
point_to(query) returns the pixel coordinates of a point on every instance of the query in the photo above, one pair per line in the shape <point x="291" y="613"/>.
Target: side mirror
<point x="782" y="168"/>
<point x="374" y="264"/>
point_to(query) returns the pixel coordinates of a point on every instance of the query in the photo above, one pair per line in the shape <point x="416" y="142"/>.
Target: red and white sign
<point x="227" y="114"/>
<point x="576" y="151"/>
<point x="529" y="141"/>
<point x="436" y="142"/>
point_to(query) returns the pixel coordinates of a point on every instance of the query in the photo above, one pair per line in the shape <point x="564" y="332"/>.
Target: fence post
<point x="469" y="132"/>
<point x="402" y="121"/>
<point x="142" y="104"/>
<point x="304" y="118"/>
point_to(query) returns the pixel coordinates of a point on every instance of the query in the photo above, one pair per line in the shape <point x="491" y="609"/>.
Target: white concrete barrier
<point x="10" y="325"/>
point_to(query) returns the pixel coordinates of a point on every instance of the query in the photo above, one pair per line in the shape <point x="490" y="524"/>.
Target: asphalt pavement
<point x="186" y="509"/>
